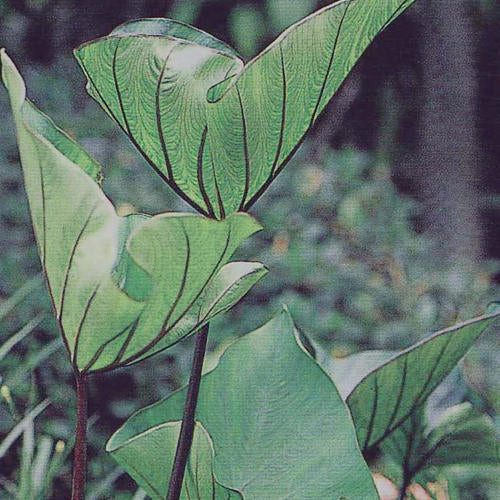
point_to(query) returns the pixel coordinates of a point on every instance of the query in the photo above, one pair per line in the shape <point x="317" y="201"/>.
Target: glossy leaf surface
<point x="217" y="129"/>
<point x="279" y="427"/>
<point x="149" y="457"/>
<point x="387" y="397"/>
<point x="123" y="288"/>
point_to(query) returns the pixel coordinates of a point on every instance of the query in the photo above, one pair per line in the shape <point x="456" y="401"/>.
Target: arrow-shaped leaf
<point x="386" y="397"/>
<point x="123" y="288"/>
<point x="218" y="130"/>
<point x="279" y="427"/>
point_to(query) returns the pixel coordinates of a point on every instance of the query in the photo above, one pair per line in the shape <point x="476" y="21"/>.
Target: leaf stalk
<point x="188" y="419"/>
<point x="80" y="451"/>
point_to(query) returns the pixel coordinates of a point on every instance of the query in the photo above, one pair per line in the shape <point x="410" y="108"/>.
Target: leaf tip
<point x="12" y="80"/>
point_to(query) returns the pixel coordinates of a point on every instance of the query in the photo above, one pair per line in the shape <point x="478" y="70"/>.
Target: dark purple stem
<point x="80" y="450"/>
<point x="188" y="419"/>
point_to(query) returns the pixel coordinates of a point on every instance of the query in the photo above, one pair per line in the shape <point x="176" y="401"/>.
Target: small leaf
<point x="279" y="427"/>
<point x="463" y="437"/>
<point x="149" y="457"/>
<point x="123" y="288"/>
<point x="390" y="394"/>
<point x="232" y="282"/>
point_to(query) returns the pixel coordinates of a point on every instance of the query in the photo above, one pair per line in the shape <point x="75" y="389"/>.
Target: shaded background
<point x="383" y="228"/>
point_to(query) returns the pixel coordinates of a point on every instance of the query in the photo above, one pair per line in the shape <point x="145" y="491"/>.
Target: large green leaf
<point x="279" y="427"/>
<point x="123" y="288"/>
<point x="149" y="457"/>
<point x="387" y="397"/>
<point x="218" y="130"/>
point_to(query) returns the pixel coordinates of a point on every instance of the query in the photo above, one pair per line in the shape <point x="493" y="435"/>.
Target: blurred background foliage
<point x="383" y="228"/>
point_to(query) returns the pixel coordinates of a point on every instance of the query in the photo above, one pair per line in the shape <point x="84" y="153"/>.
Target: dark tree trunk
<point x="448" y="159"/>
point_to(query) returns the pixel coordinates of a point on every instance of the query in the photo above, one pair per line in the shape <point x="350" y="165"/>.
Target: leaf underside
<point x="218" y="130"/>
<point x="273" y="436"/>
<point x="123" y="288"/>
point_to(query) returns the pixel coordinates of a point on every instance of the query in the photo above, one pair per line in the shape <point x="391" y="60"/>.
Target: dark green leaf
<point x="463" y="436"/>
<point x="390" y="394"/>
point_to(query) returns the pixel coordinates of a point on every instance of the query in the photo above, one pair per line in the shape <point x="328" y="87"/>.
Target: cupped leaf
<point x="279" y="427"/>
<point x="218" y="130"/>
<point x="388" y="396"/>
<point x="148" y="458"/>
<point x="123" y="288"/>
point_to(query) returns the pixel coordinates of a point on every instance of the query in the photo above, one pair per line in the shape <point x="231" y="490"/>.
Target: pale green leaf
<point x="391" y="393"/>
<point x="348" y="372"/>
<point x="123" y="288"/>
<point x="217" y="129"/>
<point x="149" y="456"/>
<point x="279" y="427"/>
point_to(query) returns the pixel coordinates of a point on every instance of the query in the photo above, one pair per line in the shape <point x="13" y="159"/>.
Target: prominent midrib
<point x="168" y="329"/>
<point x="168" y="164"/>
<point x="126" y="129"/>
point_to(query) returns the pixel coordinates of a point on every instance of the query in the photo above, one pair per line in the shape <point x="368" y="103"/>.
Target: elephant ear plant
<point x="270" y="422"/>
<point x="123" y="288"/>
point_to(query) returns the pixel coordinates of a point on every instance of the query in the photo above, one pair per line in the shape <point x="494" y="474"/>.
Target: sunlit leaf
<point x="217" y="129"/>
<point x="123" y="288"/>
<point x="273" y="436"/>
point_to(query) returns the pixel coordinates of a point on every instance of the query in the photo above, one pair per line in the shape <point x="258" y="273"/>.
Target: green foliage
<point x="276" y="426"/>
<point x="464" y="438"/>
<point x="122" y="287"/>
<point x="348" y="262"/>
<point x="273" y="436"/>
<point x="386" y="399"/>
<point x="151" y="454"/>
<point x="218" y="130"/>
<point x="389" y="394"/>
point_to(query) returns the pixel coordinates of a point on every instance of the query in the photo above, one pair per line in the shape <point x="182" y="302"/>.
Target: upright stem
<point x="187" y="427"/>
<point x="80" y="451"/>
<point x="405" y="485"/>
